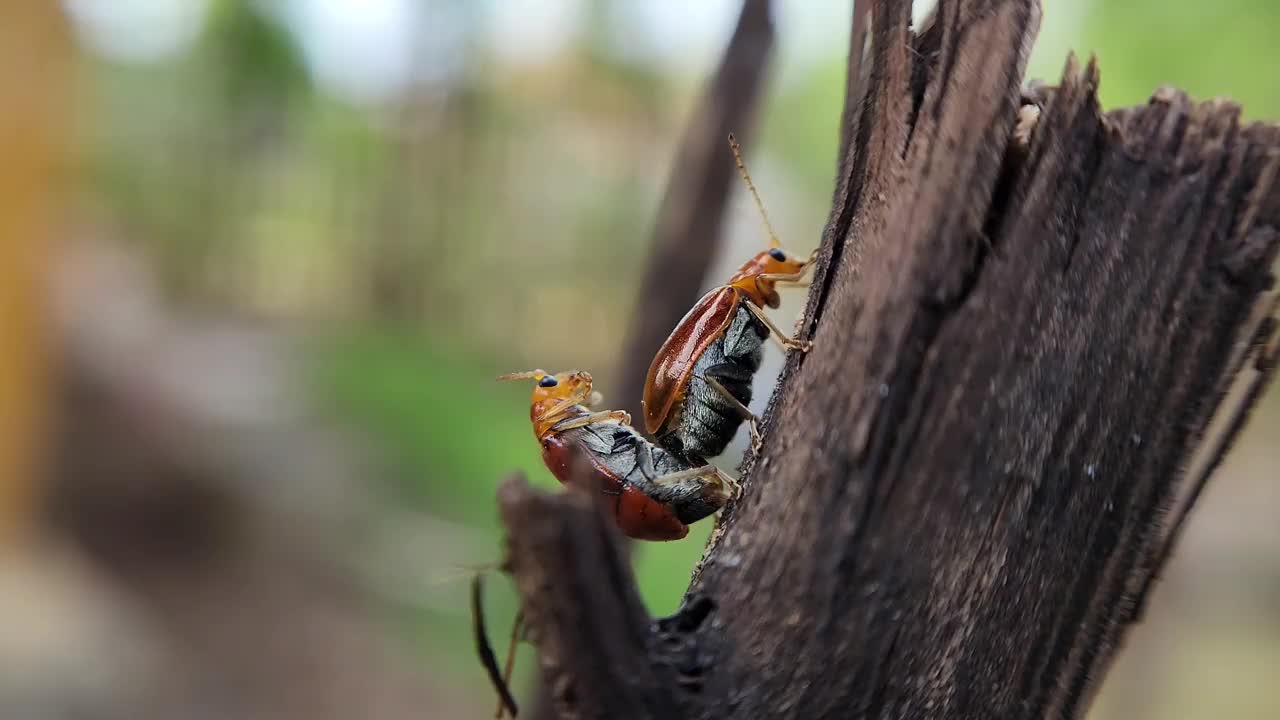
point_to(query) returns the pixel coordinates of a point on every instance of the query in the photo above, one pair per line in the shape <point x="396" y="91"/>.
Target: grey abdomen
<point x="709" y="420"/>
<point x="638" y="462"/>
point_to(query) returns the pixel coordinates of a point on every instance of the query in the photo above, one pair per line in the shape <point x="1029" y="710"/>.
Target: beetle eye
<point x="548" y="381"/>
<point x="778" y="255"/>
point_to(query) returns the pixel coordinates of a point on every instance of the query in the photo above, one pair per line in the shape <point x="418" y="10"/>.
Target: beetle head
<point x="555" y="396"/>
<point x="774" y="261"/>
<point x="753" y="280"/>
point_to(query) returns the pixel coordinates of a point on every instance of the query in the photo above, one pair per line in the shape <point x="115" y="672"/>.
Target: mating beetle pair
<point x="695" y="397"/>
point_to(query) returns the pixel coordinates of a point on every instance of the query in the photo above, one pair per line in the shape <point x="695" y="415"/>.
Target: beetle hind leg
<point x="721" y="480"/>
<point x="621" y="416"/>
<point x="753" y="422"/>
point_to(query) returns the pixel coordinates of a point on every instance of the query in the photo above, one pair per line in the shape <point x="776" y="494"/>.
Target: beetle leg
<point x="786" y="341"/>
<point x="621" y="416"/>
<point x="784" y="284"/>
<point x="753" y="422"/>
<point x="577" y="398"/>
<point x="734" y="488"/>
<point x="796" y="278"/>
<point x="708" y="471"/>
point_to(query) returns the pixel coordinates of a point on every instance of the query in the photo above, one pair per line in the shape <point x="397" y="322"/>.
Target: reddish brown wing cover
<point x="669" y="374"/>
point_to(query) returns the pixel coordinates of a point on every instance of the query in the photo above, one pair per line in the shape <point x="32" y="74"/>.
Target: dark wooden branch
<point x="855" y="81"/>
<point x="687" y="231"/>
<point x="1028" y="356"/>
<point x="580" y="602"/>
<point x="1000" y="433"/>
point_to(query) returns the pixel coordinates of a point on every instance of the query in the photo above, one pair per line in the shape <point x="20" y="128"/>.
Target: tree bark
<point x="1027" y="360"/>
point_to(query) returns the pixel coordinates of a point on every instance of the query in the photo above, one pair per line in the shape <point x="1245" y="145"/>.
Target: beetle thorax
<point x="540" y="413"/>
<point x="752" y="279"/>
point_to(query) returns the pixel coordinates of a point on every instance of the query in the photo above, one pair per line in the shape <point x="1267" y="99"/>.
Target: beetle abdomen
<point x="637" y="462"/>
<point x="708" y="420"/>
<point x="629" y="464"/>
<point x="637" y="514"/>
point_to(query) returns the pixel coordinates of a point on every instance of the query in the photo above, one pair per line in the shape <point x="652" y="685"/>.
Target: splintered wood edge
<point x="836" y="239"/>
<point x="1084" y="83"/>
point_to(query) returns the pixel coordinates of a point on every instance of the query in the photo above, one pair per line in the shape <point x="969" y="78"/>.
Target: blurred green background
<point x="432" y="193"/>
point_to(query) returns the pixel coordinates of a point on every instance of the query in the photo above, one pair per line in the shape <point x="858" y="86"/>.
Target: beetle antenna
<point x="525" y="375"/>
<point x="746" y="177"/>
<point x="485" y="649"/>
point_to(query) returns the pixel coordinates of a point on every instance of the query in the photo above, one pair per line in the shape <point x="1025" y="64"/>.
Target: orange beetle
<point x="652" y="494"/>
<point x="699" y="385"/>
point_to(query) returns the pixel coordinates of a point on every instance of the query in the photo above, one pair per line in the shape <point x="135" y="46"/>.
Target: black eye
<point x="778" y="255"/>
<point x="548" y="381"/>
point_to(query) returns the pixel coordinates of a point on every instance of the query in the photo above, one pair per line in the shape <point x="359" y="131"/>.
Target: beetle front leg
<point x="796" y="278"/>
<point x="621" y="416"/>
<point x="784" y="340"/>
<point x="576" y="398"/>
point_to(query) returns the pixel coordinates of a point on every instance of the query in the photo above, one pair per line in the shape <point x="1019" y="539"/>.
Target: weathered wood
<point x="581" y="605"/>
<point x="970" y="482"/>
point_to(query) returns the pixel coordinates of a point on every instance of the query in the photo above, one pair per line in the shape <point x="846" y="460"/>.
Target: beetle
<point x="652" y="493"/>
<point x="699" y="384"/>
